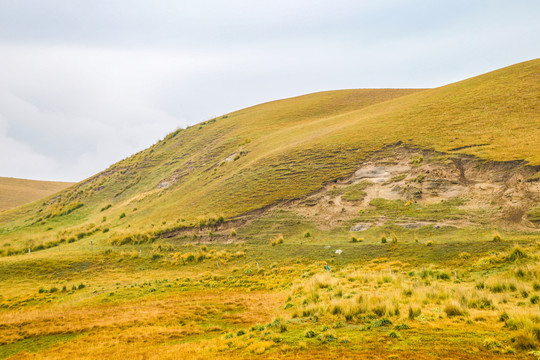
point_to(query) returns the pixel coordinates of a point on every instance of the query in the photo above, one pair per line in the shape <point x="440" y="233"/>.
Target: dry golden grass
<point x="15" y="192"/>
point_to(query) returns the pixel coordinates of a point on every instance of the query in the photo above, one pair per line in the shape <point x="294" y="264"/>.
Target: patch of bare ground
<point x="504" y="189"/>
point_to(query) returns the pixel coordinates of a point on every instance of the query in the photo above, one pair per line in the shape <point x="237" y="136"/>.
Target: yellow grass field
<point x="15" y="192"/>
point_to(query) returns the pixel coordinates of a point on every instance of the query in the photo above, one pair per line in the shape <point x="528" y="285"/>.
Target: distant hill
<point x="15" y="192"/>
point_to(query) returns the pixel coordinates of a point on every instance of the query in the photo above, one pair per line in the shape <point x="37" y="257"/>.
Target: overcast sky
<point x="84" y="84"/>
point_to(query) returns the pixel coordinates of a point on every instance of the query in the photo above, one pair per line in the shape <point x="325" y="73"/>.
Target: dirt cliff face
<point x="503" y="191"/>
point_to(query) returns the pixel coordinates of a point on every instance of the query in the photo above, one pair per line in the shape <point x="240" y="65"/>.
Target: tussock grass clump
<point x="402" y="326"/>
<point x="483" y="303"/>
<point x="276" y="241"/>
<point x="525" y="341"/>
<point x="516" y="254"/>
<point x="133" y="239"/>
<point x="495" y="346"/>
<point x="454" y="309"/>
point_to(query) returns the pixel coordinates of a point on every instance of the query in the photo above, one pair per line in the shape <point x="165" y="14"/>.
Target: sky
<point x="84" y="84"/>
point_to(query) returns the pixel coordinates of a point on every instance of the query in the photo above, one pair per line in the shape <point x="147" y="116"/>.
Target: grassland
<point x="211" y="242"/>
<point x="15" y="192"/>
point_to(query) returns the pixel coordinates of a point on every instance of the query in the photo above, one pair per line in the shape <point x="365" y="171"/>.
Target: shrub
<point x="383" y="239"/>
<point x="240" y="333"/>
<point x="307" y="234"/>
<point x="534" y="299"/>
<point x="156" y="256"/>
<point x="233" y="232"/>
<point x="53" y="289"/>
<point x="429" y="243"/>
<point x="106" y="207"/>
<point x="122" y="215"/>
<point x="393" y="335"/>
<point x="497" y="237"/>
<point x="310" y="334"/>
<point x="81" y="286"/>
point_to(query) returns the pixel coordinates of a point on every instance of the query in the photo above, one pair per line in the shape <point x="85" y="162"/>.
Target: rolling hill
<point x="15" y="192"/>
<point x="289" y="148"/>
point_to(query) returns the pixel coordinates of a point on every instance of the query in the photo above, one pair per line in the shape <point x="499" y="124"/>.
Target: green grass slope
<point x="286" y="149"/>
<point x="16" y="192"/>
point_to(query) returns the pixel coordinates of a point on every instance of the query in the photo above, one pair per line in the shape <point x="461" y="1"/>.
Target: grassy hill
<point x="15" y="192"/>
<point x="289" y="148"/>
<point x="214" y="242"/>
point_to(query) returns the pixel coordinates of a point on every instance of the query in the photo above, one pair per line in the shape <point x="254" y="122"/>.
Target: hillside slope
<point x="15" y="192"/>
<point x="288" y="149"/>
